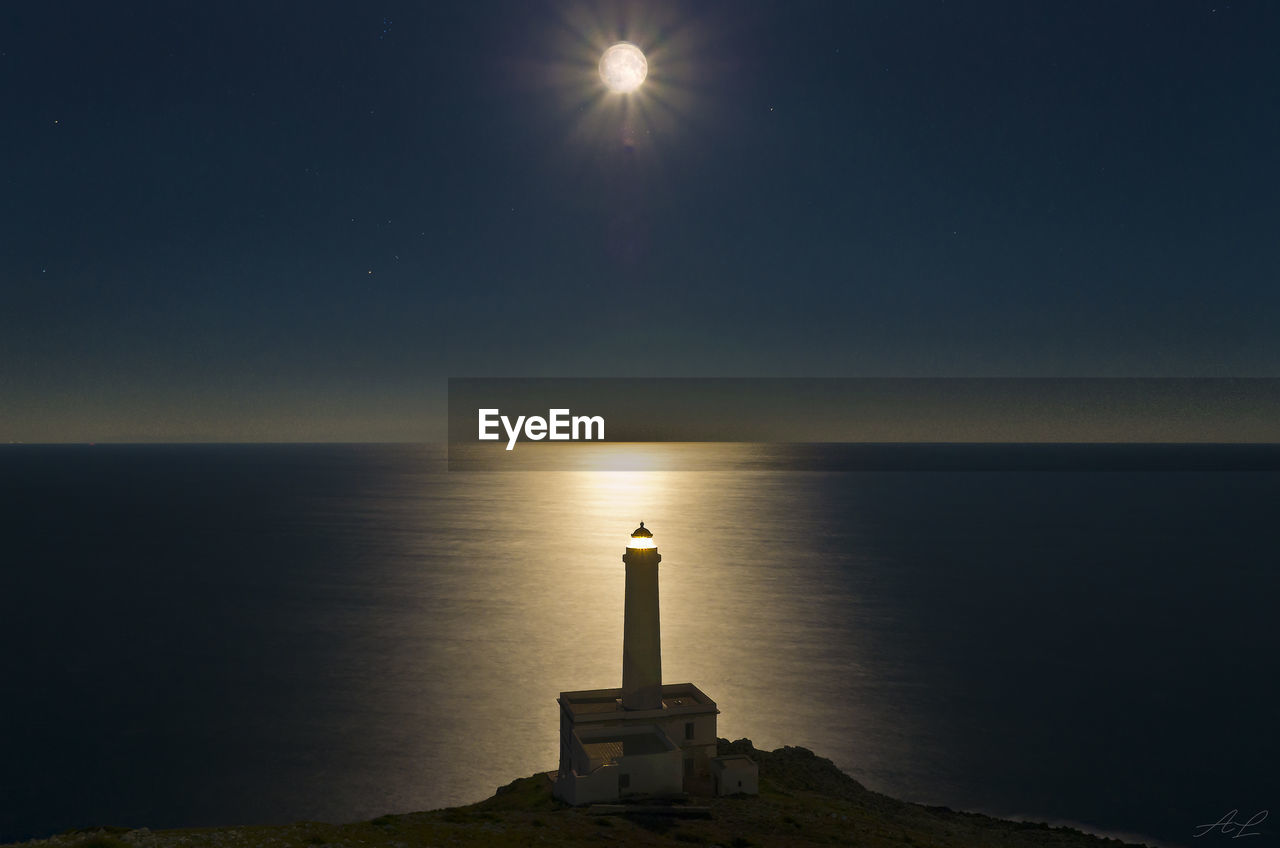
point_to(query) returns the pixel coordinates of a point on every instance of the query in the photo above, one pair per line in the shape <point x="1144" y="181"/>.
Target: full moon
<point x="623" y="67"/>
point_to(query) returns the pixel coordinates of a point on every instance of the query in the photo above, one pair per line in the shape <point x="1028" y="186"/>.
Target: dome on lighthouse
<point x="641" y="533"/>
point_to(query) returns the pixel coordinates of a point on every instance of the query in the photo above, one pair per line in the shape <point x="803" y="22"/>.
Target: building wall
<point x="566" y="750"/>
<point x="736" y="776"/>
<point x="699" y="749"/>
<point x="651" y="774"/>
<point x="645" y="774"/>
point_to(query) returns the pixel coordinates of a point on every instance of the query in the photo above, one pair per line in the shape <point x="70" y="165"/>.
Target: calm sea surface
<point x="203" y="635"/>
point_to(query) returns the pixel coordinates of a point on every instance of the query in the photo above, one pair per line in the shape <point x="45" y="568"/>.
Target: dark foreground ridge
<point x="804" y="800"/>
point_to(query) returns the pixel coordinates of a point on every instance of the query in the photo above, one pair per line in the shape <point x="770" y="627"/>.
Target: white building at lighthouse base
<point x="607" y="752"/>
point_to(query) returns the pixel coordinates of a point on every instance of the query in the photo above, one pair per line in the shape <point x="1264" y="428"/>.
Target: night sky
<point x="271" y="221"/>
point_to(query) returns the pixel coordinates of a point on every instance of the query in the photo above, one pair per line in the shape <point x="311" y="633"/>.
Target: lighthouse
<point x="646" y="738"/>
<point x="641" y="638"/>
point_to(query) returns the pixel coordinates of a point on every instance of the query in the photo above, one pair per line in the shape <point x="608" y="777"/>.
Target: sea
<point x="203" y="635"/>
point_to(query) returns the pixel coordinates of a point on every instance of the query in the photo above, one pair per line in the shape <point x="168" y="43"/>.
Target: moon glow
<point x="623" y="67"/>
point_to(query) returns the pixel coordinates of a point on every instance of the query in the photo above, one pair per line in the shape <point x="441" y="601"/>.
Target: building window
<point x="688" y="767"/>
<point x="624" y="780"/>
<point x="688" y="730"/>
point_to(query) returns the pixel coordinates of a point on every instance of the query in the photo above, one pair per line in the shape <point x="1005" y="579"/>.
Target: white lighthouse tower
<point x="646" y="738"/>
<point x="641" y="639"/>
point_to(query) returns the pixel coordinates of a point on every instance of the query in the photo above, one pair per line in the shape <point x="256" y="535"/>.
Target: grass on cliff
<point x="804" y="800"/>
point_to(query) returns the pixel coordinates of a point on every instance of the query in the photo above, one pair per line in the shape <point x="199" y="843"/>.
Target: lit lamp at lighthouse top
<point x="641" y="540"/>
